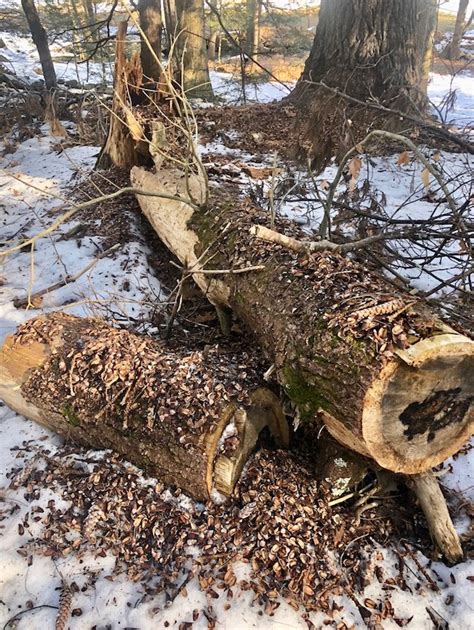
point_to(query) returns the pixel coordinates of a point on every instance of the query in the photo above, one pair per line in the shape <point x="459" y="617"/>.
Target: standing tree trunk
<point x="212" y="45"/>
<point x="371" y="50"/>
<point x="191" y="50"/>
<point x="453" y="49"/>
<point x="41" y="42"/>
<point x="171" y="21"/>
<point x="150" y="52"/>
<point x="252" y="36"/>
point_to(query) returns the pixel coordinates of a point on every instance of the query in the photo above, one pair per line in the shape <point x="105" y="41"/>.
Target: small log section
<point x="190" y="418"/>
<point x="387" y="377"/>
<point x="433" y="504"/>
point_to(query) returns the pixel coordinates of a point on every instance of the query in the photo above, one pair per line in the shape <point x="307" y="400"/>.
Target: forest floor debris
<point x="99" y="497"/>
<point x="299" y="549"/>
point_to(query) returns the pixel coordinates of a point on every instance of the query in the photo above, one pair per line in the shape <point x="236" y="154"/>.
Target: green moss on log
<point x="307" y="398"/>
<point x="70" y="415"/>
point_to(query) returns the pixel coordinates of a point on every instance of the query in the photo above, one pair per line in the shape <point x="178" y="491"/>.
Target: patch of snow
<point x="459" y="110"/>
<point x="20" y="56"/>
<point x="229" y="87"/>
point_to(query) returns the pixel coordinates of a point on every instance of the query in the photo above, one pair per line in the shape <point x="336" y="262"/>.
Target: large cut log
<point x="387" y="377"/>
<point x="190" y="418"/>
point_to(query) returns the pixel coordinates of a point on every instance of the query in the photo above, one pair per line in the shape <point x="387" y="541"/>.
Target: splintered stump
<point x="190" y="418"/>
<point x="386" y="376"/>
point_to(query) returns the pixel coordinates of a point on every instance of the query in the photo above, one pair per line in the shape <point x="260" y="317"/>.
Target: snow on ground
<point x="459" y="113"/>
<point x="35" y="181"/>
<point x="20" y="57"/>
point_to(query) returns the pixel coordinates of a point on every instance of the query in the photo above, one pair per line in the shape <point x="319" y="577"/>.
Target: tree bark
<point x="252" y="37"/>
<point x="191" y="50"/>
<point x="190" y="418"/>
<point x="150" y="22"/>
<point x="453" y="49"/>
<point x="386" y="376"/>
<point x="370" y="50"/>
<point x="41" y="42"/>
<point x="171" y="21"/>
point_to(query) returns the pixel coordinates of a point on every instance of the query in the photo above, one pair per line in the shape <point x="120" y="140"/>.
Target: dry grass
<point x="446" y="21"/>
<point x="287" y="68"/>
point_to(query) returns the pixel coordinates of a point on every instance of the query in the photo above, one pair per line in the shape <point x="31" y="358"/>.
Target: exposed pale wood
<point x="170" y="220"/>
<point x="433" y="504"/>
<point x="120" y="148"/>
<point x="439" y="365"/>
<point x="408" y="413"/>
<point x="167" y="448"/>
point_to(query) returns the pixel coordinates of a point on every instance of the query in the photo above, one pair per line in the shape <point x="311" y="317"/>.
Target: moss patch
<point x="70" y="415"/>
<point x="308" y="399"/>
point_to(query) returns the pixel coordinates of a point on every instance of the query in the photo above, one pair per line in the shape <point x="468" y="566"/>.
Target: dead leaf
<point x="354" y="167"/>
<point x="261" y="172"/>
<point x="425" y="177"/>
<point x="403" y="159"/>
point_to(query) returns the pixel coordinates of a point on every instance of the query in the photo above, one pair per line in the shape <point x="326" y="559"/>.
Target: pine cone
<point x="65" y="605"/>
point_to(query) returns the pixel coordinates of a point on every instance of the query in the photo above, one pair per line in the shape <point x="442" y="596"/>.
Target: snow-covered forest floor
<point x="38" y="174"/>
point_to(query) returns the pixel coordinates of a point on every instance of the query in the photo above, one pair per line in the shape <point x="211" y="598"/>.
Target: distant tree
<point x="453" y="49"/>
<point x="191" y="49"/>
<point x="374" y="51"/>
<point x="150" y="22"/>
<point x="41" y="42"/>
<point x="171" y="20"/>
<point x="83" y="20"/>
<point x="252" y="33"/>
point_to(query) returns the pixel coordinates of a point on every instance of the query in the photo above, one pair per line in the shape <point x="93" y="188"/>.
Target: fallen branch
<point x="87" y="204"/>
<point x="433" y="504"/>
<point x="311" y="247"/>
<point x="358" y="148"/>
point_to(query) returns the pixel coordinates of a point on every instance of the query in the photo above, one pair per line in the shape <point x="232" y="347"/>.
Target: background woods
<point x="236" y="347"/>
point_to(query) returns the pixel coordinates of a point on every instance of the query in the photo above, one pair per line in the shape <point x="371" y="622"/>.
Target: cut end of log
<point x="243" y="430"/>
<point x="419" y="411"/>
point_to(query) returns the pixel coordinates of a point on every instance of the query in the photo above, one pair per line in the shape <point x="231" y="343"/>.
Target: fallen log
<point x="190" y="418"/>
<point x="385" y="375"/>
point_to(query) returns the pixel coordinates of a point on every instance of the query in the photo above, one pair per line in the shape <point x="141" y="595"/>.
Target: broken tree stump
<point x="124" y="145"/>
<point x="190" y="418"/>
<point x="385" y="375"/>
